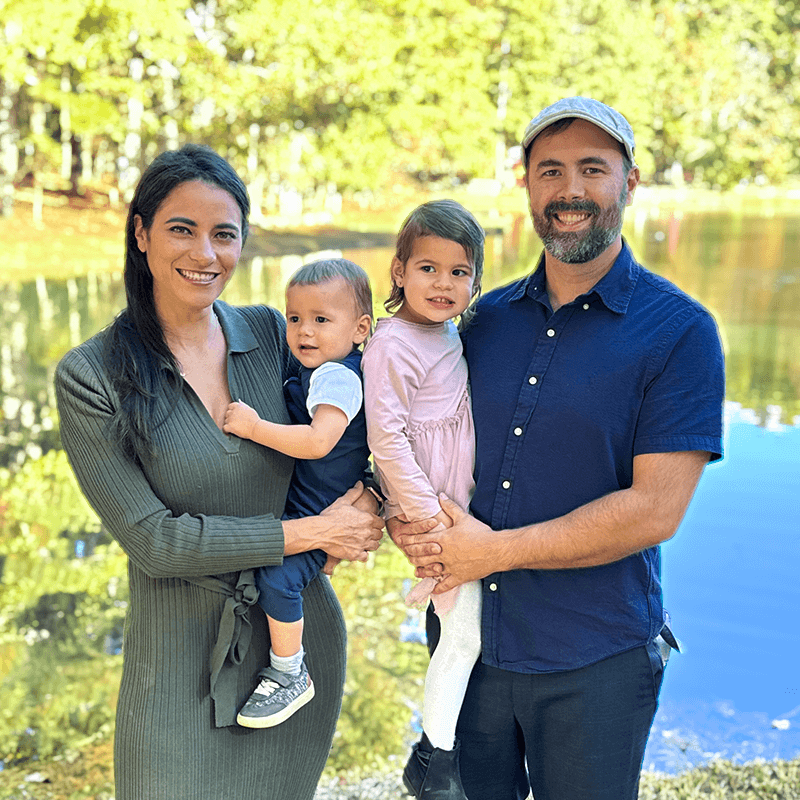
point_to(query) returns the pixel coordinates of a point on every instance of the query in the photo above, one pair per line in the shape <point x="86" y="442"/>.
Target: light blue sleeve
<point x="333" y="384"/>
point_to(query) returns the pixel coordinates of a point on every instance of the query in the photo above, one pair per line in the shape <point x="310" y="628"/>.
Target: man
<point x="597" y="392"/>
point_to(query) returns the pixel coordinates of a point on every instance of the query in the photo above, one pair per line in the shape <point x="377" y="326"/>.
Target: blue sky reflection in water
<point x="731" y="579"/>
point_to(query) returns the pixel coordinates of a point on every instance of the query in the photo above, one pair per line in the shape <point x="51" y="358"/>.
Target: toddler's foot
<point x="276" y="698"/>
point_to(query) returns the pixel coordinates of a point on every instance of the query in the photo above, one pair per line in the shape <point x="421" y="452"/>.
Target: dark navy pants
<point x="582" y="734"/>
<point x="280" y="586"/>
<point x="576" y="735"/>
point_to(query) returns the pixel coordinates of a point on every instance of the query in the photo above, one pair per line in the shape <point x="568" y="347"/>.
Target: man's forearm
<point x="605" y="530"/>
<point x="600" y="532"/>
<point x="616" y="525"/>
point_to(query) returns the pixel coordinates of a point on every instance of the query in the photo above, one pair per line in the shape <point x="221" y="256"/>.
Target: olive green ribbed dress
<point x="204" y="504"/>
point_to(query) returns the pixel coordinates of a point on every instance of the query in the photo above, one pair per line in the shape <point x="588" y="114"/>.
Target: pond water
<point x="731" y="574"/>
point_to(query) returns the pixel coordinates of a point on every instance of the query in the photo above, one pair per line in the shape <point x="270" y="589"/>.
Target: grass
<point x="88" y="775"/>
<point x="84" y="775"/>
<point x="70" y="241"/>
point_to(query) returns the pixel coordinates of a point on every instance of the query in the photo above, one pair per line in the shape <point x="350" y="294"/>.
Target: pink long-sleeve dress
<point x="419" y="420"/>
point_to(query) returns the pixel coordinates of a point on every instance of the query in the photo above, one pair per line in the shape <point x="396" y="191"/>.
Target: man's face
<point x="578" y="191"/>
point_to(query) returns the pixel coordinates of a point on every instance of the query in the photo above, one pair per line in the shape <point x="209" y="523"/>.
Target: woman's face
<point x="193" y="245"/>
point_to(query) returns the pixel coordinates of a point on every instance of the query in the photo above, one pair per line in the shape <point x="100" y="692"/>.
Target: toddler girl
<point x="419" y="429"/>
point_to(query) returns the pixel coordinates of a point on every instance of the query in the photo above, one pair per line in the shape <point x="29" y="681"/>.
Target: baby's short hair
<point x="327" y="269"/>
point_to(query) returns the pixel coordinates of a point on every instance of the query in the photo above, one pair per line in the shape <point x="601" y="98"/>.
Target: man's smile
<point x="570" y="219"/>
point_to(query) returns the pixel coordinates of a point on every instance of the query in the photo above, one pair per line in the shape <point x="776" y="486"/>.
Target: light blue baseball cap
<point x="605" y="117"/>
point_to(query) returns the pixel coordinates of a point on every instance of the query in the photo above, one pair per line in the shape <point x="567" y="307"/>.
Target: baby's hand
<point x="240" y="419"/>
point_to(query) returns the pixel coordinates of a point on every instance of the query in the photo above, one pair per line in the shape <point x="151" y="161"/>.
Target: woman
<point x="142" y="406"/>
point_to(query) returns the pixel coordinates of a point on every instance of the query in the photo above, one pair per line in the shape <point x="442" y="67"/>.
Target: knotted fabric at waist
<point x="233" y="640"/>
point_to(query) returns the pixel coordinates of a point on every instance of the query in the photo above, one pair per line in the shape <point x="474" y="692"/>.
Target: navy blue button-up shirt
<point x="562" y="403"/>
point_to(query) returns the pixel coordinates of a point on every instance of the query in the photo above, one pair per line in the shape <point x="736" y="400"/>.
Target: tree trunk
<point x="129" y="175"/>
<point x="9" y="151"/>
<point x="65" y="123"/>
<point x="169" y="74"/>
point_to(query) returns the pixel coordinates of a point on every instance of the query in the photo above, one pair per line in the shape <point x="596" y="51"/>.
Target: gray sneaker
<point x="276" y="698"/>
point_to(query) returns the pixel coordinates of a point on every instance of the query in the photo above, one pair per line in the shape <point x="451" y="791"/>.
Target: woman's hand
<point x="352" y="533"/>
<point x="365" y="502"/>
<point x="341" y="530"/>
<point x="240" y="420"/>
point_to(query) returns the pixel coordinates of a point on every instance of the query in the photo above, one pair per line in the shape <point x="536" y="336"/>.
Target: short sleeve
<point x="683" y="403"/>
<point x="334" y="384"/>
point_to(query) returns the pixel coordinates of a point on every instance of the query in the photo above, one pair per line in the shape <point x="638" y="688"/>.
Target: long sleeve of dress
<point x="159" y="541"/>
<point x="393" y="376"/>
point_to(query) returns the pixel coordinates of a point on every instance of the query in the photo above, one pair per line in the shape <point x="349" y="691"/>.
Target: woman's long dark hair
<point x="137" y="357"/>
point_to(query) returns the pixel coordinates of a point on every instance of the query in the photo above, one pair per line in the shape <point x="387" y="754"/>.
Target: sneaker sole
<point x="281" y="716"/>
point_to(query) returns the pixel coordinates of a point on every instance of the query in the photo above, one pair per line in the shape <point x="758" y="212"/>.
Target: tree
<point x="729" y="103"/>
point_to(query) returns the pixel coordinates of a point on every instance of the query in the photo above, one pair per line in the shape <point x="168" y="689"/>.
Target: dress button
<point x="551" y="333"/>
<point x="585" y="306"/>
<point x="506" y="484"/>
<point x="533" y="380"/>
<point x="517" y="431"/>
<point x="492" y="587"/>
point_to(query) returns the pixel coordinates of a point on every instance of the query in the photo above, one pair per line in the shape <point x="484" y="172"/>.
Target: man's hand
<point x="458" y="554"/>
<point x="411" y="537"/>
<point x="468" y="550"/>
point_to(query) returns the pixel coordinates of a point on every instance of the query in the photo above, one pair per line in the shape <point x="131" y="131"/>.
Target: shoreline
<point x="82" y="236"/>
<point x="80" y="776"/>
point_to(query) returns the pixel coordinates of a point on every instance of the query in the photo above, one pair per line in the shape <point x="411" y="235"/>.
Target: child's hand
<point x="241" y="420"/>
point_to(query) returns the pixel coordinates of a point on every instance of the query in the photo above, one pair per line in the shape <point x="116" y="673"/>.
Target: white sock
<point x="289" y="664"/>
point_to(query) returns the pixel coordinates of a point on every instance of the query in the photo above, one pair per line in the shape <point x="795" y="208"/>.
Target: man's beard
<point x="578" y="247"/>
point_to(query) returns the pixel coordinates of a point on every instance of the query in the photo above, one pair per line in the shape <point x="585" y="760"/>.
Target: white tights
<point x="451" y="664"/>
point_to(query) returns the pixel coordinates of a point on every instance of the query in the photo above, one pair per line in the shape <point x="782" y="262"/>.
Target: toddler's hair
<point x="327" y="269"/>
<point x="446" y="219"/>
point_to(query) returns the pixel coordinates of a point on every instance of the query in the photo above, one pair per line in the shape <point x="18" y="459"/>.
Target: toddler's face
<point x="322" y="323"/>
<point x="437" y="281"/>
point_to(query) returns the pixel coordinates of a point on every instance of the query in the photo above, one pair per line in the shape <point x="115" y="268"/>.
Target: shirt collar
<point x="238" y="335"/>
<point x="614" y="289"/>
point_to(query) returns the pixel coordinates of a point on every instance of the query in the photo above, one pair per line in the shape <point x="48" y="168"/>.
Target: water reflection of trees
<point x="738" y="266"/>
<point x="62" y="584"/>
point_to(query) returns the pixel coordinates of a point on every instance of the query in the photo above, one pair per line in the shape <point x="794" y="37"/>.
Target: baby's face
<point x="322" y="322"/>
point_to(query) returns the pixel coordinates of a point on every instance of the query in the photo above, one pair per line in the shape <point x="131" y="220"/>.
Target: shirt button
<point x="533" y="380"/>
<point x="517" y="431"/>
<point x="551" y="333"/>
<point x="585" y="306"/>
<point x="506" y="484"/>
<point x="492" y="587"/>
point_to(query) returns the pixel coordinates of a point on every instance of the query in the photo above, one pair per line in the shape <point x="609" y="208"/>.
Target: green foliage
<point x="723" y="780"/>
<point x="55" y="608"/>
<point x="384" y="675"/>
<point x="47" y="712"/>
<point x="358" y="93"/>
